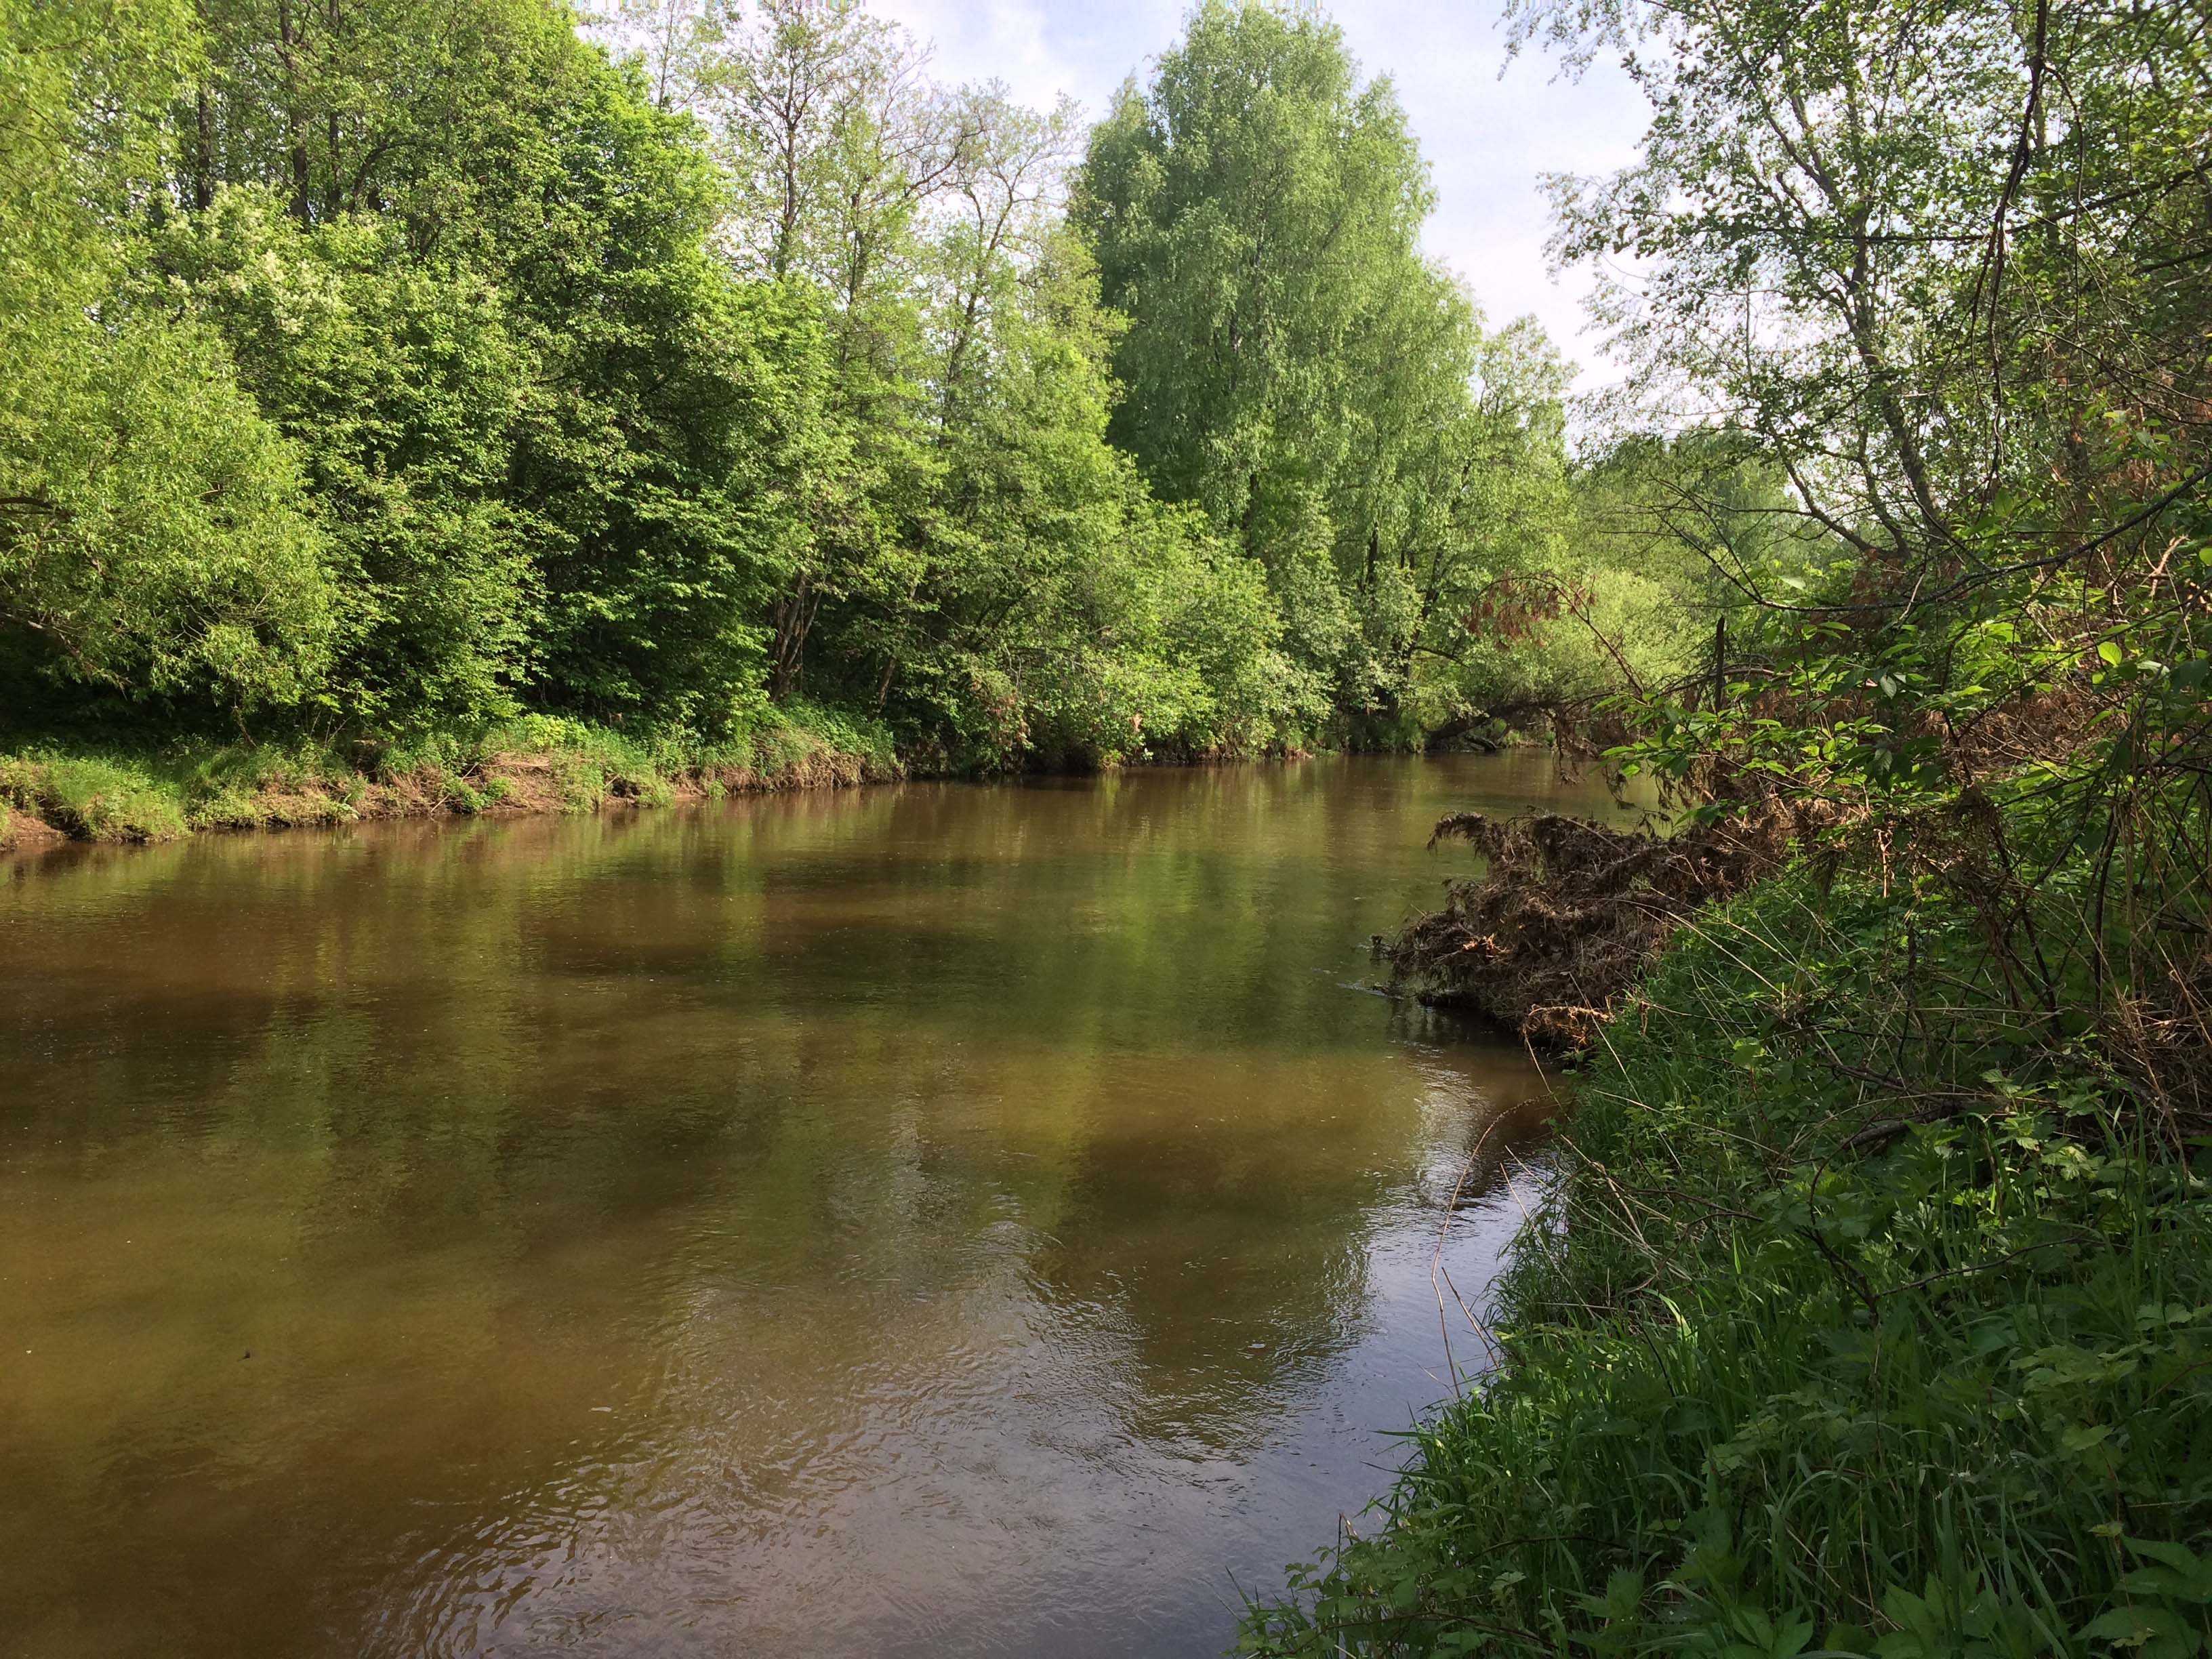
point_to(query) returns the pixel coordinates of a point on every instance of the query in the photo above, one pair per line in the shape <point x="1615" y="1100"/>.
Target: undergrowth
<point x="1865" y="1318"/>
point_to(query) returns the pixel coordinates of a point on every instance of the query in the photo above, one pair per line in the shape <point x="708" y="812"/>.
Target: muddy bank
<point x="22" y="832"/>
<point x="49" y="796"/>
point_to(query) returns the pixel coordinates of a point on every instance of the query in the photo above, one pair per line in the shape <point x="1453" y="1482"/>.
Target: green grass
<point x="1773" y="1385"/>
<point x="123" y="792"/>
<point x="93" y="797"/>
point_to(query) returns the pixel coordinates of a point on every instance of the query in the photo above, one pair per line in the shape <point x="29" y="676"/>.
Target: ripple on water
<point x="923" y="1218"/>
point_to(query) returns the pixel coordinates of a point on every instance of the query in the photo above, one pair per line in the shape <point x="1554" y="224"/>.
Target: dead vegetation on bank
<point x="2091" y="931"/>
<point x="1565" y="916"/>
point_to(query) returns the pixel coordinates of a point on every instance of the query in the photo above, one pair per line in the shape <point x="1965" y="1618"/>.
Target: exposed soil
<point x="22" y="832"/>
<point x="560" y="781"/>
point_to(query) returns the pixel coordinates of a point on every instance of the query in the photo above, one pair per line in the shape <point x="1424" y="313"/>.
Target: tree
<point x="564" y="444"/>
<point x="1880" y="239"/>
<point x="152" y="541"/>
<point x="411" y="363"/>
<point x="399" y="381"/>
<point x="839" y="144"/>
<point x="671" y="448"/>
<point x="1293" y="364"/>
<point x="341" y="107"/>
<point x="1943" y="269"/>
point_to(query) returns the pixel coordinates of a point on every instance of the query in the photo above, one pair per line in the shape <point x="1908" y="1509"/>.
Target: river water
<point x="925" y="1219"/>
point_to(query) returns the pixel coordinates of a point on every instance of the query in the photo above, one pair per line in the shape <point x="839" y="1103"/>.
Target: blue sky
<point x="1488" y="139"/>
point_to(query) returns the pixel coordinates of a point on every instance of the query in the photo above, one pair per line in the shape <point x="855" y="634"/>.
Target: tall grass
<point x="93" y="797"/>
<point x="1799" y="1361"/>
<point x="127" y="791"/>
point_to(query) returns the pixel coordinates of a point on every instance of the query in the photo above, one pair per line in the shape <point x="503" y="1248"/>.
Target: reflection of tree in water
<point x="993" y="1119"/>
<point x="1237" y="1265"/>
<point x="1230" y="1277"/>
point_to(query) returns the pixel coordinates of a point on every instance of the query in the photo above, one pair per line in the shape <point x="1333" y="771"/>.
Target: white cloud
<point x="1488" y="139"/>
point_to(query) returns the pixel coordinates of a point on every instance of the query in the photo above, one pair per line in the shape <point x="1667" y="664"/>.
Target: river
<point x="925" y="1219"/>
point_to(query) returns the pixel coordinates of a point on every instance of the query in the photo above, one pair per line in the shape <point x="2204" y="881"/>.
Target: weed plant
<point x="1803" y="1357"/>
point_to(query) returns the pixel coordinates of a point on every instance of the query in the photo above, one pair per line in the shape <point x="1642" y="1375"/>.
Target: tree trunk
<point x="295" y="118"/>
<point x="203" y="153"/>
<point x="794" y="617"/>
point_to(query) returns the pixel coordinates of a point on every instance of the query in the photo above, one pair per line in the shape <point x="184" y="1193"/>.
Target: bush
<point x="154" y="541"/>
<point x="1795" y="1361"/>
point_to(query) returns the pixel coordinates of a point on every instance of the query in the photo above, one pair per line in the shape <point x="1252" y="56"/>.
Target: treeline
<point x="382" y="366"/>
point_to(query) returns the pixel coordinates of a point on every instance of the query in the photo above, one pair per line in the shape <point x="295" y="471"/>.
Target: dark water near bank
<point x="933" y="1219"/>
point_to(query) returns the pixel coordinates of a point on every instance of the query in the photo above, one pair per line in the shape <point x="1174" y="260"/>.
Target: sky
<point x="1487" y="138"/>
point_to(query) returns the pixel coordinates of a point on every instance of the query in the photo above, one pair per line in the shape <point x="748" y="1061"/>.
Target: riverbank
<point x="51" y="792"/>
<point x="54" y="792"/>
<point x="1860" y="1320"/>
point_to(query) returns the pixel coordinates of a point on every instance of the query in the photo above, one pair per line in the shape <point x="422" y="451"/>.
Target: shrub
<point x="1796" y="1359"/>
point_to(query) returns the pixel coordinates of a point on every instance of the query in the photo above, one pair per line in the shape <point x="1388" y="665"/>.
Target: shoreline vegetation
<point x="1855" y="1319"/>
<point x="51" y="795"/>
<point x="54" y="794"/>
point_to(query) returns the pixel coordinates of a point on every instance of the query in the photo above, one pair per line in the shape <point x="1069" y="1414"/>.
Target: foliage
<point x="1998" y="571"/>
<point x="1870" y="1313"/>
<point x="399" y="382"/>
<point x="980" y="568"/>
<point x="1295" y="367"/>
<point x="393" y="364"/>
<point x="1256" y="212"/>
<point x="151" y="540"/>
<point x="1782" y="1369"/>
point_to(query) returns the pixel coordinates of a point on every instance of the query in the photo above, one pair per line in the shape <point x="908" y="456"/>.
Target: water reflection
<point x="933" y="1218"/>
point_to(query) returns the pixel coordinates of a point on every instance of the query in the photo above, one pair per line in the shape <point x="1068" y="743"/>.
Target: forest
<point x="700" y="384"/>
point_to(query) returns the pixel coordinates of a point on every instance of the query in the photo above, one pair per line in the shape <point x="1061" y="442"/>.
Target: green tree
<point x="1295" y="366"/>
<point x="567" y="445"/>
<point x="670" y="446"/>
<point x="1255" y="212"/>
<point x="839" y="147"/>
<point x="1060" y="612"/>
<point x="400" y="381"/>
<point x="152" y="543"/>
<point x="983" y="568"/>
<point x="339" y="106"/>
<point x="1880" y="239"/>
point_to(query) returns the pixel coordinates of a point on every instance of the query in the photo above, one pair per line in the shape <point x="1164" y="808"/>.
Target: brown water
<point x="932" y="1219"/>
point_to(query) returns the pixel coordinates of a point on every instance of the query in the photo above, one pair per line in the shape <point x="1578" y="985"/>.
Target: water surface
<point x="931" y="1218"/>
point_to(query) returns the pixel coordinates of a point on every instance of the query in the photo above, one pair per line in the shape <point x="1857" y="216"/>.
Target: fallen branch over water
<point x="1566" y="915"/>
